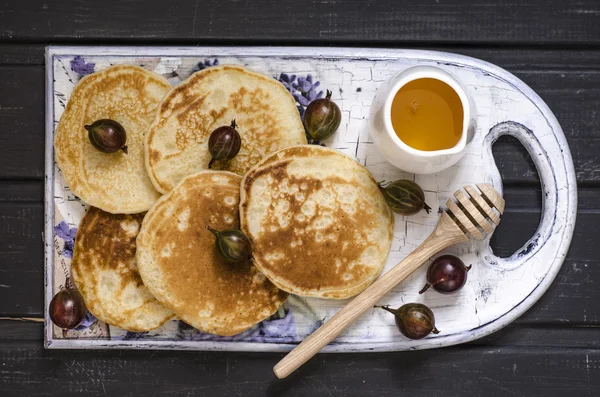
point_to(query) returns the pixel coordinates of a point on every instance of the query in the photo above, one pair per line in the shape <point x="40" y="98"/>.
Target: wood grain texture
<point x="22" y="191"/>
<point x="21" y="258"/>
<point x="465" y="371"/>
<point x="553" y="46"/>
<point x="274" y="21"/>
<point x="22" y="115"/>
<point x="20" y="54"/>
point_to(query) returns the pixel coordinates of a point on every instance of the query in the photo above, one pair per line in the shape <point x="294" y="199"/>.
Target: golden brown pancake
<point x="180" y="264"/>
<point x="319" y="224"/>
<point x="265" y="113"/>
<point x="105" y="272"/>
<point x="115" y="182"/>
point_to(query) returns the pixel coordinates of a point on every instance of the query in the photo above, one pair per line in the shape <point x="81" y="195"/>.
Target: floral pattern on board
<point x="79" y="66"/>
<point x="303" y="89"/>
<point x="279" y="328"/>
<point x="66" y="233"/>
<point x="289" y="324"/>
<point x="88" y="320"/>
<point x="206" y="64"/>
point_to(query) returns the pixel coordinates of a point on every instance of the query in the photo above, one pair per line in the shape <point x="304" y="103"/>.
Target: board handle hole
<point x="523" y="196"/>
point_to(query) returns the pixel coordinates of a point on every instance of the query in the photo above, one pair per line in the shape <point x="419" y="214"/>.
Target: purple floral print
<point x="279" y="328"/>
<point x="206" y="64"/>
<point x="66" y="233"/>
<point x="303" y="89"/>
<point x="88" y="320"/>
<point x="306" y="90"/>
<point x="79" y="66"/>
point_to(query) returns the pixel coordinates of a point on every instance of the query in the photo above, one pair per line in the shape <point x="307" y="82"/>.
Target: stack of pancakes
<point x="318" y="223"/>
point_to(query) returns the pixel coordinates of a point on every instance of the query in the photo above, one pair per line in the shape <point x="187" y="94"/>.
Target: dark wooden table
<point x="554" y="46"/>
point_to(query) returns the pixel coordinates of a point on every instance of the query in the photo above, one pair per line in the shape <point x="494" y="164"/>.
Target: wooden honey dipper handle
<point x="445" y="234"/>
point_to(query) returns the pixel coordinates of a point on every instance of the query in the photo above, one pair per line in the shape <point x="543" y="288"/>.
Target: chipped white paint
<point x="498" y="290"/>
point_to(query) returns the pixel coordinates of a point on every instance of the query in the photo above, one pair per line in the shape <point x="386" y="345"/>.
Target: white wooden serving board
<point x="497" y="291"/>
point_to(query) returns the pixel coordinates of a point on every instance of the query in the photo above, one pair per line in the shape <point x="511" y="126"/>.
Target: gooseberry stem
<point x="233" y="124"/>
<point x="210" y="163"/>
<point x="328" y="95"/>
<point x="387" y="308"/>
<point x="124" y="149"/>
<point x="426" y="208"/>
<point x="213" y="231"/>
<point x="425" y="288"/>
<point x="435" y="330"/>
<point x="382" y="185"/>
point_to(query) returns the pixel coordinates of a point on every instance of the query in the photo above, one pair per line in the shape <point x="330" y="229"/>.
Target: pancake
<point x="105" y="272"/>
<point x="265" y="112"/>
<point x="319" y="224"/>
<point x="180" y="264"/>
<point x="115" y="182"/>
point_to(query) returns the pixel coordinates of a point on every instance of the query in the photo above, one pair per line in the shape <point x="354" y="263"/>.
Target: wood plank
<point x="525" y="335"/>
<point x="456" y="371"/>
<point x="542" y="335"/>
<point x="22" y="54"/>
<point x="512" y="58"/>
<point x="22" y="191"/>
<point x="21" y="330"/>
<point x="22" y="120"/>
<point x="525" y="199"/>
<point x="517" y="59"/>
<point x="21" y="259"/>
<point x="540" y="22"/>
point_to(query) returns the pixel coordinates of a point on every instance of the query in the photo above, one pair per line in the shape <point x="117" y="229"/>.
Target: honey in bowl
<point x="427" y="114"/>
